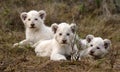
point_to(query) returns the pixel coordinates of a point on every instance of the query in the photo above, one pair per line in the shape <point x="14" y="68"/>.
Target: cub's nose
<point x="91" y="52"/>
<point x="64" y="41"/>
<point x="32" y="25"/>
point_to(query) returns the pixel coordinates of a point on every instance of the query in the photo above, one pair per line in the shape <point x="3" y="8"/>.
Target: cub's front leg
<point x="57" y="57"/>
<point x="22" y="43"/>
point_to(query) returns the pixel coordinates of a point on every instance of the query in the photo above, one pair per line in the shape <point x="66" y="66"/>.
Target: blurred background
<point x="90" y="15"/>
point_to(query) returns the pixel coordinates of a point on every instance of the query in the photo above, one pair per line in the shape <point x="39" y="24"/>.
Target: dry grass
<point x="89" y="21"/>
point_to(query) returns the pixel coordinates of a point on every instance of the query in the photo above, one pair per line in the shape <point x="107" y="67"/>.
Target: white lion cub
<point x="96" y="47"/>
<point x="60" y="46"/>
<point x="35" y="28"/>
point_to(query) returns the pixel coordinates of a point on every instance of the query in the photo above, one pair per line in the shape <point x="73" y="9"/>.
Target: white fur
<point x="37" y="32"/>
<point x="96" y="47"/>
<point x="83" y="43"/>
<point x="56" y="48"/>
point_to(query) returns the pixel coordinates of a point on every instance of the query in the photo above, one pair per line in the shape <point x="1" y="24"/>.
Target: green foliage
<point x="98" y="3"/>
<point x="81" y="8"/>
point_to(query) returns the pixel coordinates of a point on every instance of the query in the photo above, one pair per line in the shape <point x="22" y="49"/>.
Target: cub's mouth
<point x="63" y="43"/>
<point x="96" y="56"/>
<point x="32" y="27"/>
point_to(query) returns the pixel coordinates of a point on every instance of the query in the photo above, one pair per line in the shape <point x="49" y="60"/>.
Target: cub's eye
<point x="60" y="34"/>
<point x="68" y="34"/>
<point x="91" y="45"/>
<point x="98" y="48"/>
<point x="29" y="19"/>
<point x="36" y="19"/>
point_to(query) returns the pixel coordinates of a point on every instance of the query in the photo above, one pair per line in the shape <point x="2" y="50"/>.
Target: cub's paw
<point x="16" y="44"/>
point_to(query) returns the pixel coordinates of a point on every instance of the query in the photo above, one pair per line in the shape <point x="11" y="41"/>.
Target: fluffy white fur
<point x="35" y="29"/>
<point x="95" y="47"/>
<point x="60" y="46"/>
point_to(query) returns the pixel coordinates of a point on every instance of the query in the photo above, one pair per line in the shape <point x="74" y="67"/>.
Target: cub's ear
<point x="107" y="43"/>
<point x="54" y="27"/>
<point x="73" y="27"/>
<point x="23" y="15"/>
<point x="42" y="14"/>
<point x="89" y="38"/>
